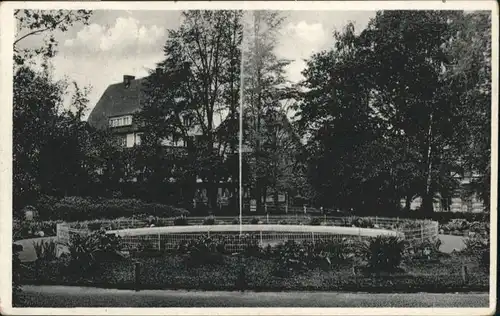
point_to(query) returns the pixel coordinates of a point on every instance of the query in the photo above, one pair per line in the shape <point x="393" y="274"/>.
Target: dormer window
<point x="120" y="121"/>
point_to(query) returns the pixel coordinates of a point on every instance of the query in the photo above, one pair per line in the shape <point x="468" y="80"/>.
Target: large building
<point x="116" y="108"/>
<point x="462" y="199"/>
<point x="116" y="112"/>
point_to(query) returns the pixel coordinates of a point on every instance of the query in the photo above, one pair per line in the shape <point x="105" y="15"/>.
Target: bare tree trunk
<point x="407" y="203"/>
<point x="427" y="199"/>
<point x="258" y="183"/>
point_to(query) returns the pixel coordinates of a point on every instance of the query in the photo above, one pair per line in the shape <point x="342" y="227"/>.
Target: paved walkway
<point x="66" y="296"/>
<point x="450" y="243"/>
<point x="29" y="254"/>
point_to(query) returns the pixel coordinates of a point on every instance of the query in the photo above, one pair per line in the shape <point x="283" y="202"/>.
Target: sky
<point x="117" y="43"/>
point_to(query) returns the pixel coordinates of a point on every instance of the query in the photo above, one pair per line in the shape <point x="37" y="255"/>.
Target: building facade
<point x="116" y="112"/>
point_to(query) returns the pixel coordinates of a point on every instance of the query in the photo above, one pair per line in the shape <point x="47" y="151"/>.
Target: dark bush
<point x="202" y="251"/>
<point x="426" y="249"/>
<point x="93" y="226"/>
<point x="45" y="250"/>
<point x="78" y="209"/>
<point x="30" y="229"/>
<point x="16" y="275"/>
<point x="315" y="221"/>
<point x="254" y="221"/>
<point x="180" y="221"/>
<point x="362" y="222"/>
<point x="292" y="257"/>
<point x="384" y="253"/>
<point x="209" y="221"/>
<point x="87" y="250"/>
<point x="335" y="251"/>
<point x="479" y="247"/>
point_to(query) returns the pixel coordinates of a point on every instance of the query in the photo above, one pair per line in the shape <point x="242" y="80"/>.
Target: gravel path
<point x="64" y="296"/>
<point x="29" y="254"/>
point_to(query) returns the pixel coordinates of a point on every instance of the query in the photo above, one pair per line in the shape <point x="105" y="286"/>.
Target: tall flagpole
<point x="240" y="147"/>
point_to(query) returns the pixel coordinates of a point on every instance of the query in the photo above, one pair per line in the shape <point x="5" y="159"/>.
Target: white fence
<point x="268" y="229"/>
<point x="168" y="238"/>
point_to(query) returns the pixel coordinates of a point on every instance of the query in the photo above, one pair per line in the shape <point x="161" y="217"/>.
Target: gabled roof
<point x="117" y="100"/>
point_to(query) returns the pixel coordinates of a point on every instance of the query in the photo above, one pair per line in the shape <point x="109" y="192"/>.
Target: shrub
<point x="79" y="209"/>
<point x="180" y="221"/>
<point x="479" y="247"/>
<point x="384" y="253"/>
<point x="315" y="221"/>
<point x="16" y="275"/>
<point x="426" y="249"/>
<point x="360" y="222"/>
<point x="93" y="226"/>
<point x="334" y="251"/>
<point x="255" y="221"/>
<point x="28" y="229"/>
<point x="292" y="256"/>
<point x="86" y="250"/>
<point x="45" y="250"/>
<point x="235" y="221"/>
<point x="201" y="251"/>
<point x="209" y="221"/>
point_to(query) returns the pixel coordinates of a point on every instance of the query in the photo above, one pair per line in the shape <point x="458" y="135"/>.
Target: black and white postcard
<point x="238" y="158"/>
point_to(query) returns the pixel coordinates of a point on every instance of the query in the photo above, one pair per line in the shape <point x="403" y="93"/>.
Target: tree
<point x="38" y="107"/>
<point x="54" y="151"/>
<point x="32" y="23"/>
<point x="264" y="89"/>
<point x="427" y="88"/>
<point x="201" y="59"/>
<point x="468" y="87"/>
<point x="335" y="119"/>
<point x="407" y="80"/>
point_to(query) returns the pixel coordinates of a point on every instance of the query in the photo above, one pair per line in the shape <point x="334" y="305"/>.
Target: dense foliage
<point x="208" y="263"/>
<point x="385" y="114"/>
<point x="78" y="209"/>
<point x="399" y="110"/>
<point x="85" y="251"/>
<point x="16" y="275"/>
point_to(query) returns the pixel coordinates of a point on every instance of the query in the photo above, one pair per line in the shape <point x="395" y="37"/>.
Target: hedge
<point x="32" y="229"/>
<point x="79" y="209"/>
<point x="171" y="272"/>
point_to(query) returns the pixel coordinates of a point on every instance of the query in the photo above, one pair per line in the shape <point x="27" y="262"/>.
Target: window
<point x="187" y="121"/>
<point x="138" y="138"/>
<point x="120" y="121"/>
<point x="446" y="204"/>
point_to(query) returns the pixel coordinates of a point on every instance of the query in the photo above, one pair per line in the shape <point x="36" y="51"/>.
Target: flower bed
<point x="380" y="264"/>
<point x="461" y="227"/>
<point x="171" y="272"/>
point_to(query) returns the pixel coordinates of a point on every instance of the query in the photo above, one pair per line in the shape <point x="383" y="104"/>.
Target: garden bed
<point x="173" y="271"/>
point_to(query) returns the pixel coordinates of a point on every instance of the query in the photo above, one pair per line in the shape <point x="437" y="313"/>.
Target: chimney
<point x="127" y="79"/>
<point x="159" y="71"/>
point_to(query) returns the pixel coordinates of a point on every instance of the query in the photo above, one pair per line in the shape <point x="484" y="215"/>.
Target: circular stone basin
<point x="300" y="229"/>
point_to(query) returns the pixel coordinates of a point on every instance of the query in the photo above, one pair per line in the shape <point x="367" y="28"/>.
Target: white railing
<point x="277" y="228"/>
<point x="168" y="238"/>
